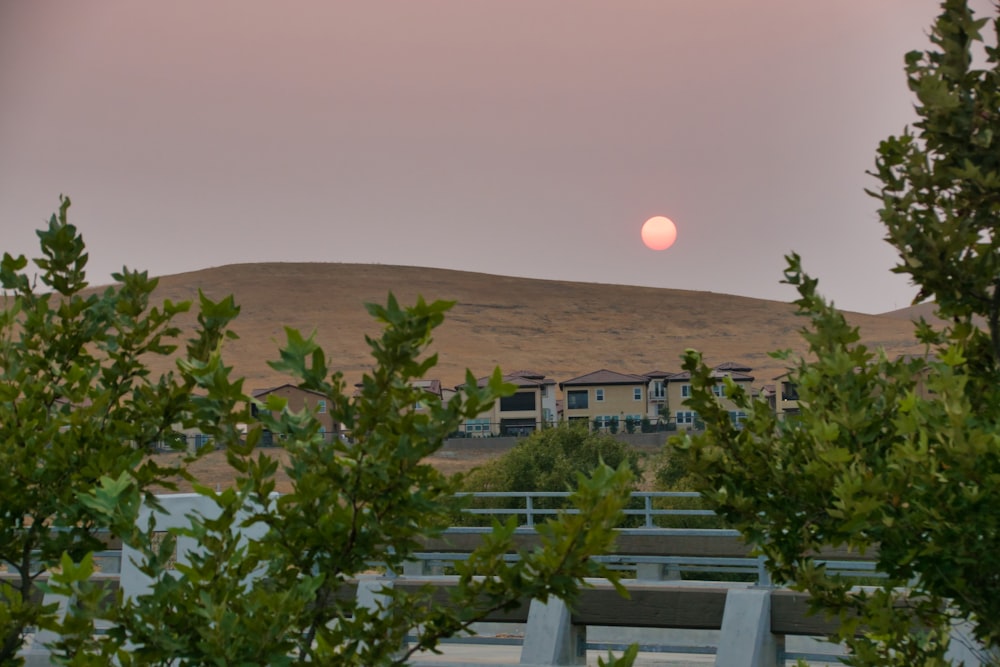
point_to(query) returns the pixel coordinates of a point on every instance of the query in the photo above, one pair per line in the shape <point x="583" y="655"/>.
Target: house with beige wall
<point x="530" y="407"/>
<point x="297" y="399"/>
<point x="434" y="390"/>
<point x="678" y="390"/>
<point x="782" y="396"/>
<point x="605" y="399"/>
<point x="657" y="407"/>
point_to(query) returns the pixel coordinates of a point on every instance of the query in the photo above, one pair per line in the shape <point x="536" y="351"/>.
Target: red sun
<point x="659" y="233"/>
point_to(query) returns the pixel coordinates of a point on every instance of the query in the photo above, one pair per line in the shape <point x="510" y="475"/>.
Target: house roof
<point x="431" y="386"/>
<point x="605" y="377"/>
<point x="257" y="393"/>
<point x="657" y="375"/>
<point x="520" y="379"/>
<point x="737" y="376"/>
<point x="532" y="375"/>
<point x="733" y="366"/>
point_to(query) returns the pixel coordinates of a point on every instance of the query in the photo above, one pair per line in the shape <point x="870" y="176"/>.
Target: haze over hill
<point x="562" y="329"/>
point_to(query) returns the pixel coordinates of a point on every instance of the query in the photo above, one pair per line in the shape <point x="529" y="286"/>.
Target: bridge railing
<point x="643" y="546"/>
<point x="532" y="506"/>
<point x="659" y="558"/>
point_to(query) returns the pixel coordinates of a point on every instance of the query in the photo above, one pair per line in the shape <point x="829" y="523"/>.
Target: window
<point x="658" y="392"/>
<point x="685" y="391"/>
<point x="477" y="425"/>
<point x="321" y="407"/>
<point x="606" y="421"/>
<point x="719" y="390"/>
<point x="637" y="393"/>
<point x="686" y="417"/>
<point x="599" y="394"/>
<point x="517" y="427"/>
<point x="737" y="417"/>
<point x="522" y="400"/>
<point x="789" y="391"/>
<point x="577" y="400"/>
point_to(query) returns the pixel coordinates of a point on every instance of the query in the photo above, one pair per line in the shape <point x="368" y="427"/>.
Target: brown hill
<point x="562" y="329"/>
<point x="927" y="310"/>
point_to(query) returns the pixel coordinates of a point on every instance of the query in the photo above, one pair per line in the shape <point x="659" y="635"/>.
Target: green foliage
<point x="669" y="471"/>
<point x="896" y="458"/>
<point x="939" y="187"/>
<point x="551" y="459"/>
<point x="271" y="582"/>
<point x="77" y="403"/>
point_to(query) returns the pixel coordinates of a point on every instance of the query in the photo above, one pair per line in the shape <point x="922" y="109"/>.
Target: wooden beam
<point x="652" y="606"/>
<point x="790" y="616"/>
<point x="698" y="544"/>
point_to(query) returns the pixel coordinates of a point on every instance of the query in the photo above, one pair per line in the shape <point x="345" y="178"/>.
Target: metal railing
<point x="648" y="510"/>
<point x="531" y="512"/>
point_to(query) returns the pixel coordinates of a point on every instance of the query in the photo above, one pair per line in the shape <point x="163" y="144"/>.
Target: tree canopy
<point x="896" y="457"/>
<point x="79" y="410"/>
<point x="551" y="459"/>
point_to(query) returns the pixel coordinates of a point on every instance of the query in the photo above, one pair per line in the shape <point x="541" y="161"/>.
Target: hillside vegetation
<point x="563" y="329"/>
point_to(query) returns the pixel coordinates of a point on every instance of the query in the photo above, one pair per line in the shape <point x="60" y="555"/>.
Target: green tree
<point x="899" y="457"/>
<point x="77" y="402"/>
<point x="551" y="459"/>
<point x="282" y="598"/>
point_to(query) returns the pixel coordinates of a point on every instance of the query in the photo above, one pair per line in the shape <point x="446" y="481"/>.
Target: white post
<point x="746" y="639"/>
<point x="550" y="638"/>
<point x="965" y="649"/>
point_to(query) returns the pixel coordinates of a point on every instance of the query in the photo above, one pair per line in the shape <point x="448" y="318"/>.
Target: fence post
<point x="550" y="638"/>
<point x="649" y="571"/>
<point x="36" y="653"/>
<point x="529" y="508"/>
<point x="964" y="647"/>
<point x="763" y="576"/>
<point x="416" y="568"/>
<point x="746" y="639"/>
<point x="371" y="596"/>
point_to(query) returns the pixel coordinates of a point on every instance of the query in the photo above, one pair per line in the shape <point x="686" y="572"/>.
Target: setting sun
<point x="659" y="233"/>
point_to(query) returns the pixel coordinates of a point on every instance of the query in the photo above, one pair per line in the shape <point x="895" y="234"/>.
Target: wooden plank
<point x="681" y="544"/>
<point x="469" y="542"/>
<point x="790" y="616"/>
<point x="442" y="595"/>
<point x="671" y="544"/>
<point x="678" y="544"/>
<point x="687" y="607"/>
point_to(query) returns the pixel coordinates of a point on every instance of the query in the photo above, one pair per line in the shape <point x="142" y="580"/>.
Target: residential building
<point x="678" y="390"/>
<point x="782" y="396"/>
<point x="657" y="407"/>
<point x="605" y="400"/>
<point x="297" y="399"/>
<point x="434" y="389"/>
<point x="531" y="406"/>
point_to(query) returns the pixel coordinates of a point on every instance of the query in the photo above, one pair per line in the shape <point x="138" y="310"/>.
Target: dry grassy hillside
<point x="562" y="329"/>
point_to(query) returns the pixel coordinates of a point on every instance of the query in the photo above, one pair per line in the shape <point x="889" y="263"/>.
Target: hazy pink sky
<point x="510" y="137"/>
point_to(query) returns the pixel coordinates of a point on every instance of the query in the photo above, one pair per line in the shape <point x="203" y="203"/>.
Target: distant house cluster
<point x="603" y="400"/>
